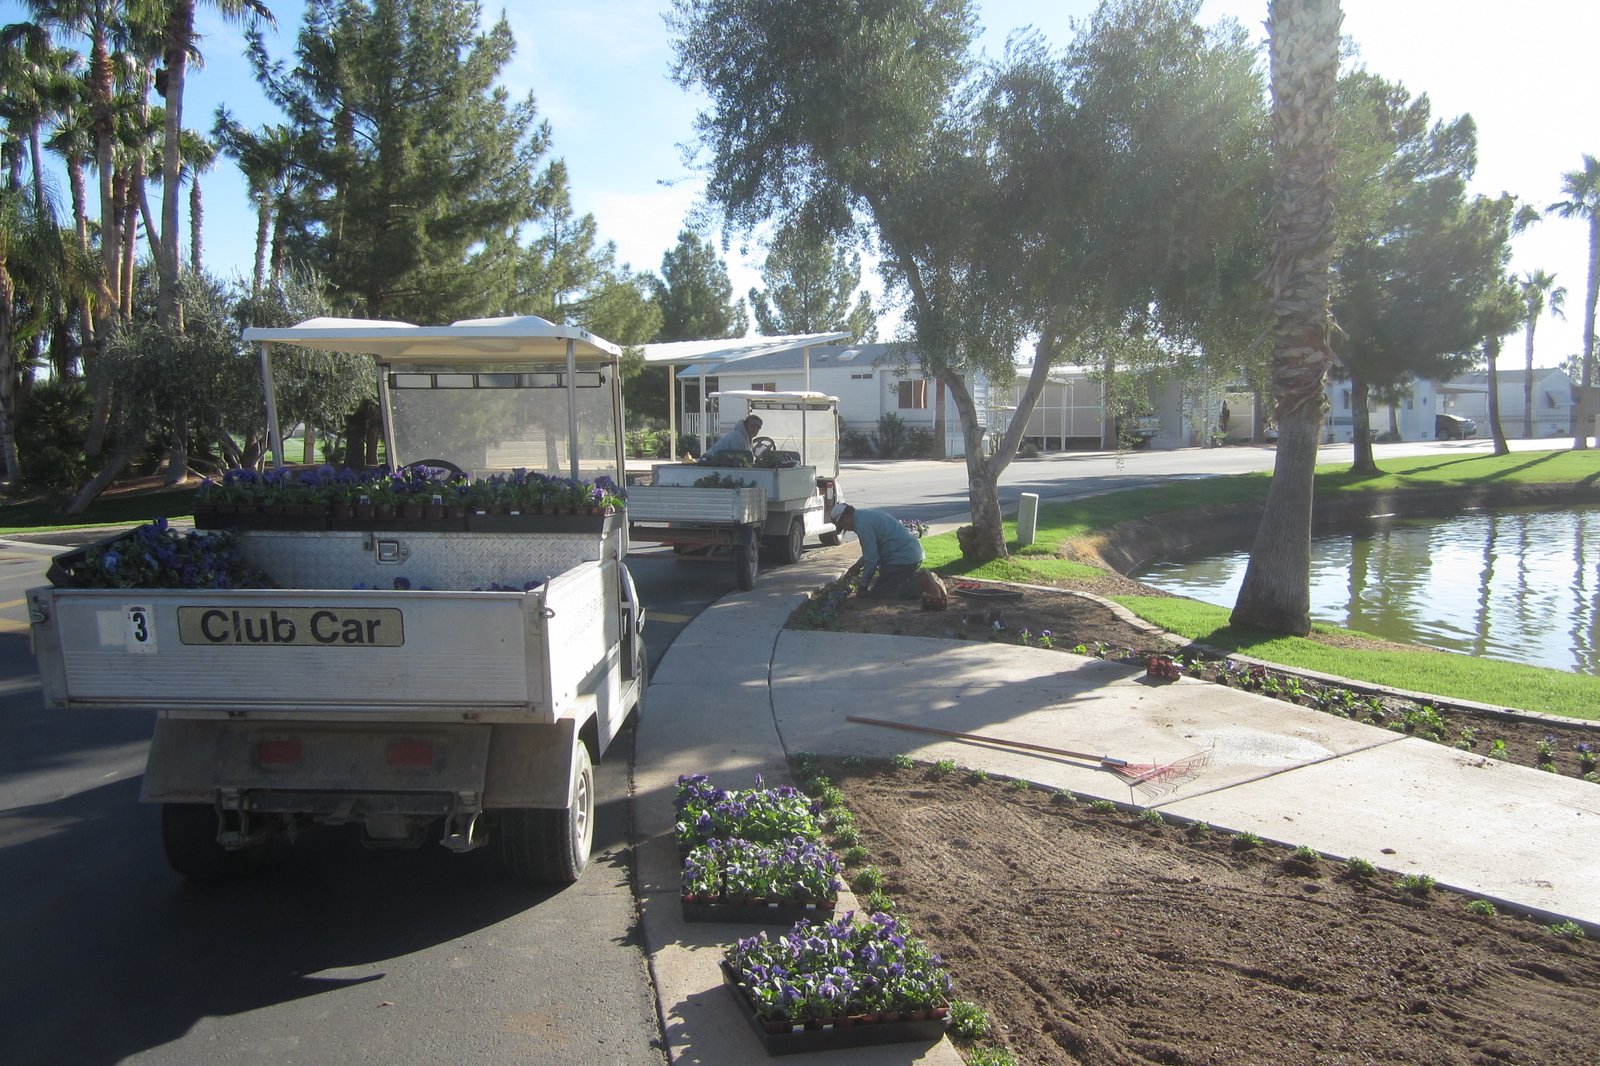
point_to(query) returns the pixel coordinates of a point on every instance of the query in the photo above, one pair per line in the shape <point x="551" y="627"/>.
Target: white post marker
<point x="1027" y="518"/>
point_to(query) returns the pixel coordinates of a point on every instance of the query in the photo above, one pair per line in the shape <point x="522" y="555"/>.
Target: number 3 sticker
<point x="141" y="630"/>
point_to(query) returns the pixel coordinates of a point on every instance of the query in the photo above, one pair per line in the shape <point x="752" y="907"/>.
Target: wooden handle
<point x="1023" y="745"/>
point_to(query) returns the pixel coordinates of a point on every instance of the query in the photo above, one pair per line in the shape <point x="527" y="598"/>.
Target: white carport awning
<point x="690" y="353"/>
<point x="719" y="352"/>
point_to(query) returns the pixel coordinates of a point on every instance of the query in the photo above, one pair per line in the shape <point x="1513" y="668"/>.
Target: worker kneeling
<point x="891" y="559"/>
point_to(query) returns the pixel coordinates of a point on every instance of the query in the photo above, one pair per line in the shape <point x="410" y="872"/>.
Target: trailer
<point x="770" y="503"/>
<point x="447" y="679"/>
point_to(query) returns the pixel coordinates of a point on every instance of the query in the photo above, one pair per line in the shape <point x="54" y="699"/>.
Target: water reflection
<point x="1519" y="585"/>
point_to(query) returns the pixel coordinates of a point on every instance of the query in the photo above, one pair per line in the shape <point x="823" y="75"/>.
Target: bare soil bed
<point x="1096" y="937"/>
<point x="1076" y="621"/>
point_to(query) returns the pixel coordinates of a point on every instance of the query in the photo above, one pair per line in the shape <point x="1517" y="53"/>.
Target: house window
<point x="764" y="386"/>
<point x="914" y="395"/>
<point x="861" y="377"/>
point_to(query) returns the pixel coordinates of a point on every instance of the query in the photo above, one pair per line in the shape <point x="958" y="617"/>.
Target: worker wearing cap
<point x="737" y="440"/>
<point x="889" y="553"/>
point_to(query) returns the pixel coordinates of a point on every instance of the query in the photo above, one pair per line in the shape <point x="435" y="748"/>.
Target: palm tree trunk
<point x="196" y="220"/>
<point x="1491" y="355"/>
<point x="179" y="38"/>
<point x="1583" y="414"/>
<point x="1276" y="594"/>
<point x="263" y="234"/>
<point x="1361" y="427"/>
<point x="1527" y="386"/>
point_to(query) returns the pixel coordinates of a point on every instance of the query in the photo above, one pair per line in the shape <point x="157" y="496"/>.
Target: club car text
<point x="342" y="627"/>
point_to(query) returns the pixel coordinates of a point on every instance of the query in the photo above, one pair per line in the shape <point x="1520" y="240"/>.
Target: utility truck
<point x="451" y="679"/>
<point x="772" y="500"/>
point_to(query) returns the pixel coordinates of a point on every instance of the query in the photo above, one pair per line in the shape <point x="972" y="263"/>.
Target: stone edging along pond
<point x="1128" y="547"/>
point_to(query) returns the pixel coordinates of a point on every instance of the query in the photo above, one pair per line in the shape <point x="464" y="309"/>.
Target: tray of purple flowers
<point x="841" y="984"/>
<point x="743" y="881"/>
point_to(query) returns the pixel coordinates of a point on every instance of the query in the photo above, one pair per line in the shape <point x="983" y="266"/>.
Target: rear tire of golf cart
<point x="552" y="846"/>
<point x="189" y="835"/>
<point x="788" y="549"/>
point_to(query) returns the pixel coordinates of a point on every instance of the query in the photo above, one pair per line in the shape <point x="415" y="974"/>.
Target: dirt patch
<point x="1100" y="938"/>
<point x="1081" y="623"/>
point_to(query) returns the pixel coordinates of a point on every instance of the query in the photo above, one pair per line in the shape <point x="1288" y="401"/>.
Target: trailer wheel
<point x="788" y="549"/>
<point x="552" y="846"/>
<point x="189" y="835"/>
<point x="745" y="565"/>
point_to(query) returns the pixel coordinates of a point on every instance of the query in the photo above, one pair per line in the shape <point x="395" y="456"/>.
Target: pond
<point x="1521" y="585"/>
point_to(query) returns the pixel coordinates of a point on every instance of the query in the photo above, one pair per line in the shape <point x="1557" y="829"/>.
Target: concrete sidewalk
<point x="736" y="692"/>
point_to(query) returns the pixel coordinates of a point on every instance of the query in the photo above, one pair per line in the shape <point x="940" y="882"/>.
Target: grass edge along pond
<point x="1444" y="674"/>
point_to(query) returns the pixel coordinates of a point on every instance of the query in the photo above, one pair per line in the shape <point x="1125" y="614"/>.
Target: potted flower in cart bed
<point x="839" y="984"/>
<point x="740" y="880"/>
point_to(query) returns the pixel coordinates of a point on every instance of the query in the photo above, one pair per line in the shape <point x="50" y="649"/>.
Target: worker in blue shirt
<point x="891" y="557"/>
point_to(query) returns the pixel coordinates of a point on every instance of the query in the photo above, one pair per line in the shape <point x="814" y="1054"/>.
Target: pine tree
<point x="421" y="170"/>
<point x="810" y="282"/>
<point x="695" y="295"/>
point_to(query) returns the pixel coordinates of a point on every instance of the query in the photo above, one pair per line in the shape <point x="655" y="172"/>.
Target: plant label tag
<point x="141" y="629"/>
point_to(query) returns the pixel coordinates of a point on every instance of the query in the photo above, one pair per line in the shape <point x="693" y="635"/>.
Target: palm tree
<point x="1276" y="593"/>
<point x="265" y="159"/>
<point x="199" y="157"/>
<point x="177" y="47"/>
<point x="30" y="255"/>
<point x="1539" y="290"/>
<point x="1582" y="191"/>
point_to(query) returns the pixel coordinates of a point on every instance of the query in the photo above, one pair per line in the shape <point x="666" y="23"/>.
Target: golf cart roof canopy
<point x="473" y="341"/>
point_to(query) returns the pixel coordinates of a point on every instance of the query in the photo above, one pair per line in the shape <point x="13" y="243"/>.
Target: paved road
<point x="930" y="491"/>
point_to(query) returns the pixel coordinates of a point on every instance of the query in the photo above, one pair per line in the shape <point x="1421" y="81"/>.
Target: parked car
<point x="1454" y="427"/>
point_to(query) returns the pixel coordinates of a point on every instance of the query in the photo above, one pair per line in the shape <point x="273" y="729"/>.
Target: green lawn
<point x="1457" y="676"/>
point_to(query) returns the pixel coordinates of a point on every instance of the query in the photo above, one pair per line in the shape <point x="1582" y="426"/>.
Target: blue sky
<point x="599" y="70"/>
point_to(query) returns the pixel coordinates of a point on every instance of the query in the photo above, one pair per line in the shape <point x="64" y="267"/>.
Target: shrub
<point x="890" y="440"/>
<point x="51" y="426"/>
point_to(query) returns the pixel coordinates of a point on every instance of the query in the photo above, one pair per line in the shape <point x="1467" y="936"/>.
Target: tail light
<point x="284" y="751"/>
<point x="411" y="754"/>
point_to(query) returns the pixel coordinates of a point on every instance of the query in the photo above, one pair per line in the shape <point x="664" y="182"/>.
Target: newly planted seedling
<point x="1152" y="818"/>
<point x="1246" y="840"/>
<point x="944" y="768"/>
<point x="1481" y="906"/>
<point x="879" y="902"/>
<point x="1416" y="884"/>
<point x="1017" y="784"/>
<point x="977" y="775"/>
<point x="867" y="879"/>
<point x="1306" y="854"/>
<point x="903" y="761"/>
<point x="1567" y="930"/>
<point x="991" y="1056"/>
<point x="1102" y="806"/>
<point x="1357" y="867"/>
<point x="854" y="855"/>
<point x="968" y="1020"/>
